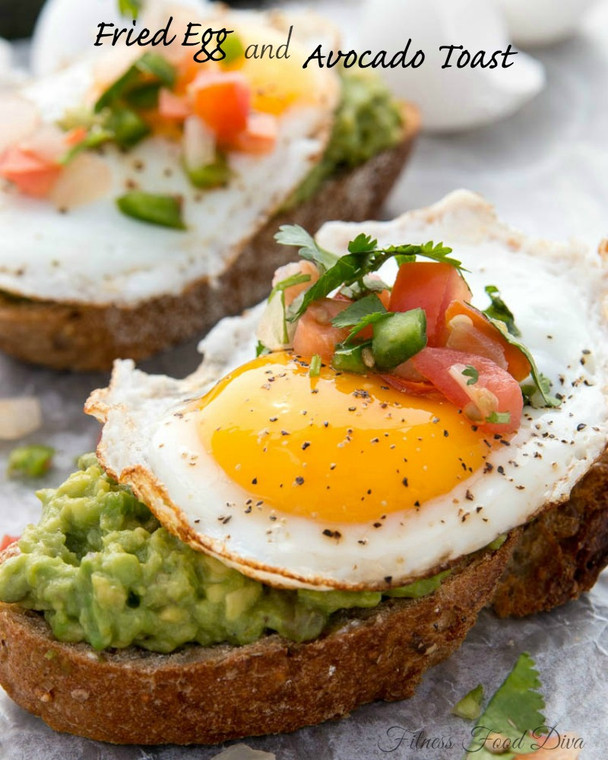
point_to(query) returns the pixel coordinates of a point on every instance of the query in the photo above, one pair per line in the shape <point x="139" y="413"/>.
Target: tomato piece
<point x="416" y="387"/>
<point x="315" y="334"/>
<point x="31" y="174"/>
<point x="6" y="541"/>
<point x="494" y="389"/>
<point x="222" y="101"/>
<point x="432" y="287"/>
<point x="75" y="136"/>
<point x="483" y="332"/>
<point x="171" y="106"/>
<point x="259" y="136"/>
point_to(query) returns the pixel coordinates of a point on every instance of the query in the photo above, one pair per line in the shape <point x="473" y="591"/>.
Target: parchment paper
<point x="546" y="169"/>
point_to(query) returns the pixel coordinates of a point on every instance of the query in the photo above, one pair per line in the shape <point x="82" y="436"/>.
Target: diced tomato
<point x="6" y="541"/>
<point x="171" y="106"/>
<point x="494" y="389"/>
<point x="75" y="136"/>
<point x="418" y="388"/>
<point x="222" y="101"/>
<point x="315" y="333"/>
<point x="483" y="333"/>
<point x="31" y="174"/>
<point x="432" y="287"/>
<point x="259" y="136"/>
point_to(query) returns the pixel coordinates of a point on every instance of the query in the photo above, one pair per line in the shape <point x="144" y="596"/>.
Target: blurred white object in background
<point x="542" y="22"/>
<point x="450" y="99"/>
<point x="10" y="74"/>
<point x="66" y="29"/>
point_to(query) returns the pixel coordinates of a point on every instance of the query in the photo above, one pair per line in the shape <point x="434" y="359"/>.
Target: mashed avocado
<point x="368" y="120"/>
<point x="103" y="570"/>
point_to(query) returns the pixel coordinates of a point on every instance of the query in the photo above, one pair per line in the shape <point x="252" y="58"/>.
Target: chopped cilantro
<point x="31" y="461"/>
<point x="498" y="309"/>
<point x="363" y="258"/>
<point x="295" y="279"/>
<point x="314" y="368"/>
<point x="514" y="711"/>
<point x="498" y="418"/>
<point x="261" y="349"/>
<point x="469" y="707"/>
<point x="148" y="69"/>
<point x="471" y="373"/>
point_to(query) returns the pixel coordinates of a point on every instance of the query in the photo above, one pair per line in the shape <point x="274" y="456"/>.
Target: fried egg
<point x="338" y="481"/>
<point x="91" y="253"/>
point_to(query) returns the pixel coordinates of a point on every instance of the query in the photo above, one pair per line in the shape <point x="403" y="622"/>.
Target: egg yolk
<point x="336" y="447"/>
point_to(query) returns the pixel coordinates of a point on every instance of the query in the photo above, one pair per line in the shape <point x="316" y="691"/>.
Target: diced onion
<point x="198" y="143"/>
<point x="19" y="417"/>
<point x="83" y="180"/>
<point x="19" y="119"/>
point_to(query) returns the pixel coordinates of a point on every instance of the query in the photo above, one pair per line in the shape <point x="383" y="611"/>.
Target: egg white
<point x="93" y="254"/>
<point x="557" y="294"/>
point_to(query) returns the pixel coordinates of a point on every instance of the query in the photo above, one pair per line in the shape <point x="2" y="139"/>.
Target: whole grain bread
<point x="561" y="553"/>
<point x="206" y="695"/>
<point x="74" y="336"/>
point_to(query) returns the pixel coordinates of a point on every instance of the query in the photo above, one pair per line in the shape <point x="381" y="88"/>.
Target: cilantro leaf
<point x="471" y="373"/>
<point x="469" y="707"/>
<point x="498" y="309"/>
<point x="362" y="244"/>
<point x="541" y="383"/>
<point x="405" y="254"/>
<point x="260" y="349"/>
<point x="513" y="712"/>
<point x="358" y="310"/>
<point x="293" y="234"/>
<point x="533" y="395"/>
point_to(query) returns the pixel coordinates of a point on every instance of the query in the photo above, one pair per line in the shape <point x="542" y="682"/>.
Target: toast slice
<point x="201" y="695"/>
<point x="89" y="337"/>
<point x="561" y="553"/>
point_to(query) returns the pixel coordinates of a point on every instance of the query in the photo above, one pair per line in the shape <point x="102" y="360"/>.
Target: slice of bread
<point x="561" y="552"/>
<point x="203" y="695"/>
<point x="74" y="336"/>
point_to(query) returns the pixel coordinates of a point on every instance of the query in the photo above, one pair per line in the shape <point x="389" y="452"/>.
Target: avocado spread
<point x="103" y="570"/>
<point x="368" y="121"/>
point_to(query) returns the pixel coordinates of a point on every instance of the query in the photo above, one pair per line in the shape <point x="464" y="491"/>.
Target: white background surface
<point x="546" y="169"/>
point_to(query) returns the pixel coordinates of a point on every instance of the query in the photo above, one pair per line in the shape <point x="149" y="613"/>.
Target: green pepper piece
<point x="351" y="358"/>
<point x="211" y="175"/>
<point x="164" y="210"/>
<point x="126" y="127"/>
<point x="399" y="337"/>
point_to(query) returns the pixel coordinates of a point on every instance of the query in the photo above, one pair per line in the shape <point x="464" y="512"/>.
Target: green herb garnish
<point x="469" y="707"/>
<point x="514" y="711"/>
<point x="470" y="372"/>
<point x="498" y="418"/>
<point x="260" y="349"/>
<point x="314" y="368"/>
<point x="164" y="210"/>
<point x="30" y="461"/>
<point x="499" y="310"/>
<point x="364" y="257"/>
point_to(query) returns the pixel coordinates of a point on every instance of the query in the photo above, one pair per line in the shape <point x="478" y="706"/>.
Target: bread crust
<point x="561" y="553"/>
<point x="208" y="695"/>
<point x="83" y="337"/>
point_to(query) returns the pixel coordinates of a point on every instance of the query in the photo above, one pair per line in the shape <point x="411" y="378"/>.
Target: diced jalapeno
<point x="210" y="175"/>
<point x="399" y="337"/>
<point x="164" y="210"/>
<point x="127" y="127"/>
<point x="353" y="358"/>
